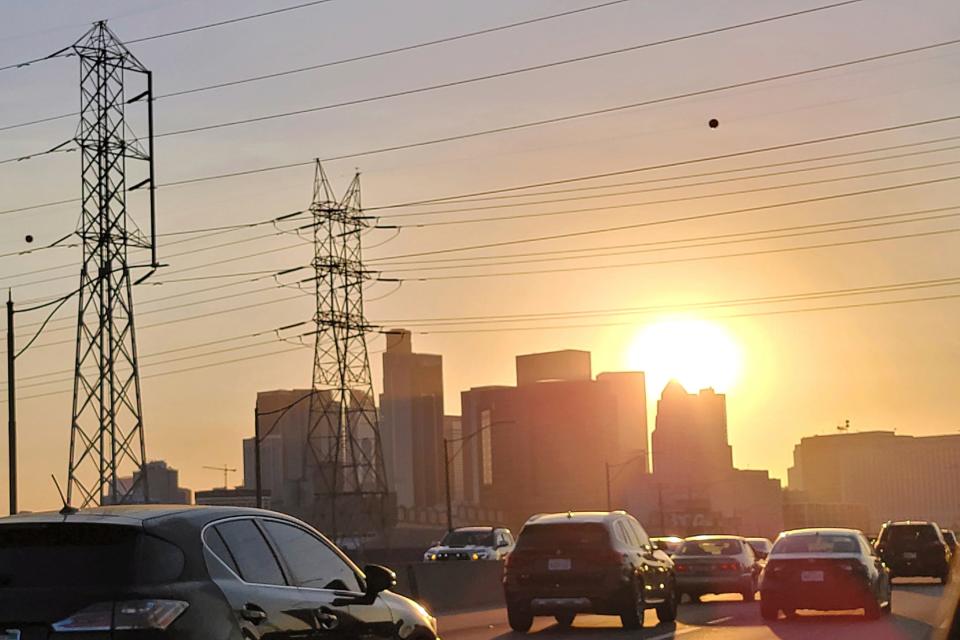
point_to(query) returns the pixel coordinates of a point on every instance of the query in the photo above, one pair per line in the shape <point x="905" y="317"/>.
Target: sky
<point x="803" y="369"/>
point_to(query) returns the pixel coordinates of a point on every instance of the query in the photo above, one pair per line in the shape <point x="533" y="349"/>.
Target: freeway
<point x="721" y="618"/>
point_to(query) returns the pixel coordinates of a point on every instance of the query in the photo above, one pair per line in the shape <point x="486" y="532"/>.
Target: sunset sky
<point x="802" y="370"/>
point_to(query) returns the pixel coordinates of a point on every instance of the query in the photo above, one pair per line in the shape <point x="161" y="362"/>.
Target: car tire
<point x="667" y="612"/>
<point x="632" y="616"/>
<point x="520" y="620"/>
<point x="769" y="611"/>
<point x="565" y="619"/>
<point x="750" y="593"/>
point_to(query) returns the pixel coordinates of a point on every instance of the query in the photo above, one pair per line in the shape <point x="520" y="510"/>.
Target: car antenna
<point x="67" y="510"/>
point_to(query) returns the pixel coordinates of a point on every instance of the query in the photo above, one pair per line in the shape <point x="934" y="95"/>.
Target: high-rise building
<point x="412" y="422"/>
<point x="163" y="482"/>
<point x="895" y="477"/>
<point x="691" y="435"/>
<point x="694" y="487"/>
<point x="544" y="445"/>
<point x="453" y="432"/>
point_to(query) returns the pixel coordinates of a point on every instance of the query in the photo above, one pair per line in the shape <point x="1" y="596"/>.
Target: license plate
<point x="811" y="576"/>
<point x="10" y="634"/>
<point x="558" y="564"/>
<point x="910" y="555"/>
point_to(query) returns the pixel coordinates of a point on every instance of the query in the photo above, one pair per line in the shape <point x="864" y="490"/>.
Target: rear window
<point x="711" y="548"/>
<point x="817" y="543"/>
<point x="74" y="555"/>
<point x="909" y="534"/>
<point x="552" y="536"/>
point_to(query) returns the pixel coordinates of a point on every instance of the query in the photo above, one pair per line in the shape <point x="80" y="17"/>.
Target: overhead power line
<point x="575" y="60"/>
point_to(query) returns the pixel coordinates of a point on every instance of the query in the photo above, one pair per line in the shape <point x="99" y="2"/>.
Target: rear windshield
<point x="468" y="539"/>
<point x="552" y="536"/>
<point x="84" y="555"/>
<point x="909" y="534"/>
<point x="817" y="543"/>
<point x="710" y="548"/>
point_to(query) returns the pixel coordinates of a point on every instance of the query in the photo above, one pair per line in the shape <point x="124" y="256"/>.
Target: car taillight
<point x="123" y="616"/>
<point x="680" y="567"/>
<point x="728" y="566"/>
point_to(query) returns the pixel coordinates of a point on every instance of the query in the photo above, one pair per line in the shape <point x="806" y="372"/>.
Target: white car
<point x="472" y="543"/>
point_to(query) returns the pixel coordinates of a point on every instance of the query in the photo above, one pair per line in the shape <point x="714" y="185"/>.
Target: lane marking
<point x="720" y="620"/>
<point x="674" y="633"/>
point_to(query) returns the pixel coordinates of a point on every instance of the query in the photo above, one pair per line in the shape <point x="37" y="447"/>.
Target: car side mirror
<point x="379" y="579"/>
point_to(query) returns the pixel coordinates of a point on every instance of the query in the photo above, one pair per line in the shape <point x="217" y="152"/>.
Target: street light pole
<point x="256" y="457"/>
<point x="11" y="406"/>
<point x="446" y="475"/>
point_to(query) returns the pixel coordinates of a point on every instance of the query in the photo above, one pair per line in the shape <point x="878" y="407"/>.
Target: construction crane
<point x="225" y="470"/>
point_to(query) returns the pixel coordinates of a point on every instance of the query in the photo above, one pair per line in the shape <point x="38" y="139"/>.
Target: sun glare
<point x="695" y="352"/>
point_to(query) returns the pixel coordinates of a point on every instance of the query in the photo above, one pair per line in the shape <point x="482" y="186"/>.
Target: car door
<point x="332" y="585"/>
<point x="659" y="565"/>
<point x="251" y="578"/>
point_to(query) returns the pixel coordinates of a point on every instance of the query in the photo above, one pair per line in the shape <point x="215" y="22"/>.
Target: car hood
<point x="468" y="548"/>
<point x="410" y="618"/>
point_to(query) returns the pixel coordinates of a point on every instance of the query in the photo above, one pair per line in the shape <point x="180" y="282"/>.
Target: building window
<point x="486" y="447"/>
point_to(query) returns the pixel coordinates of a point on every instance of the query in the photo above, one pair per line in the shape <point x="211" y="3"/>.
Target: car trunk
<point x="558" y="556"/>
<point x="837" y="578"/>
<point x="707" y="565"/>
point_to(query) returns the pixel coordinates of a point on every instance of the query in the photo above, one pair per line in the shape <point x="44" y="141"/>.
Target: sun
<point x="695" y="352"/>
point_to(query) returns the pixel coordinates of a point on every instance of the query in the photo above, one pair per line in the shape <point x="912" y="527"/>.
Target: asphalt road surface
<point x="915" y="609"/>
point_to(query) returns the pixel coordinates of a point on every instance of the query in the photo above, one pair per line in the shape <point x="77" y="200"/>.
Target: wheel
<point x="632" y="616"/>
<point x="667" y="612"/>
<point x="520" y="619"/>
<point x="768" y="610"/>
<point x="565" y="619"/>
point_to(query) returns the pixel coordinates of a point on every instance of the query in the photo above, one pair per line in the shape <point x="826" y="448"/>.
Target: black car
<point x="950" y="537"/>
<point x="824" y="569"/>
<point x="190" y="573"/>
<point x="596" y="562"/>
<point x="914" y="549"/>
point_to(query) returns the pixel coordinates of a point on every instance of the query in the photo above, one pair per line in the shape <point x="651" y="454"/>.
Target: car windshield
<point x="549" y="536"/>
<point x="462" y="538"/>
<point x="816" y="543"/>
<point x="710" y="547"/>
<point x="909" y="534"/>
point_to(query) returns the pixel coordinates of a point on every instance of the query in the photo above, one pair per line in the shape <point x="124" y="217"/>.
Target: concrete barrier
<point x="452" y="586"/>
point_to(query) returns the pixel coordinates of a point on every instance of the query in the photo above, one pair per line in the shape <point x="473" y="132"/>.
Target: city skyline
<point x="803" y="371"/>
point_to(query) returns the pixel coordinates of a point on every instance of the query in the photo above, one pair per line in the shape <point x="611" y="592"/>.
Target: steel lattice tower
<point x="343" y="435"/>
<point x="106" y="435"/>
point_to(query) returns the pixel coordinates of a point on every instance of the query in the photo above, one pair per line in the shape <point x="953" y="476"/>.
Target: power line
<point x="578" y="59"/>
<point x="701" y="216"/>
<point x="221" y="23"/>
<point x="628" y="205"/>
<point x="845" y="243"/>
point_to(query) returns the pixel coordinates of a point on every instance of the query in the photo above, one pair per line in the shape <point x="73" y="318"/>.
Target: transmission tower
<point x="343" y="435"/>
<point x="106" y="433"/>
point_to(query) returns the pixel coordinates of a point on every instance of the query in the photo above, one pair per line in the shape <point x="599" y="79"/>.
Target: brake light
<point x="728" y="566"/>
<point x="123" y="616"/>
<point x="680" y="567"/>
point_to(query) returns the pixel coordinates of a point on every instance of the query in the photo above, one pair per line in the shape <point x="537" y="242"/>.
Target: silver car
<point x="716" y="564"/>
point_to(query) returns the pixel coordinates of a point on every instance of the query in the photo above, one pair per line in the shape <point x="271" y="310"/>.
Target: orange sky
<point x="803" y="371"/>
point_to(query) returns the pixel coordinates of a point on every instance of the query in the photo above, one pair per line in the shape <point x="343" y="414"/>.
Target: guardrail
<point x="452" y="586"/>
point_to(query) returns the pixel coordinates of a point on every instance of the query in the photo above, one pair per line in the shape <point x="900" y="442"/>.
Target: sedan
<point x="716" y="564"/>
<point x="190" y="573"/>
<point x="824" y="569"/>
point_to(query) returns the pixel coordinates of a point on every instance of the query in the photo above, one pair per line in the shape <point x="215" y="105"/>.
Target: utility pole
<point x="343" y="433"/>
<point x="106" y="431"/>
<point x="11" y="405"/>
<point x="446" y="475"/>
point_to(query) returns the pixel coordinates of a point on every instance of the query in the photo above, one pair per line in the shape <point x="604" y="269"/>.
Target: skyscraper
<point x="691" y="435"/>
<point x="411" y="424"/>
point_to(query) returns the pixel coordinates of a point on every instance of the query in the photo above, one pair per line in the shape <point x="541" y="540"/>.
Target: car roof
<point x="908" y="522"/>
<point x="601" y="517"/>
<point x="712" y="537"/>
<point x="821" y="530"/>
<point x="137" y="515"/>
<point x="480" y="529"/>
<point x="758" y="539"/>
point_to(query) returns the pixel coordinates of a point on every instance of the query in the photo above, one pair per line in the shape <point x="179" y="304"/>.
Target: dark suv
<point x="190" y="573"/>
<point x="914" y="549"/>
<point x="599" y="562"/>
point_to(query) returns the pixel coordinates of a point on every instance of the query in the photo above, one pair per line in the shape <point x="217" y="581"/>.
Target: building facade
<point x="544" y="444"/>
<point x="894" y="477"/>
<point x="163" y="483"/>
<point x="237" y="497"/>
<point x="412" y="422"/>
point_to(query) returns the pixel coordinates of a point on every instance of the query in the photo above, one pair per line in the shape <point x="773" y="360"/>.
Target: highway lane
<point x="722" y="618"/>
